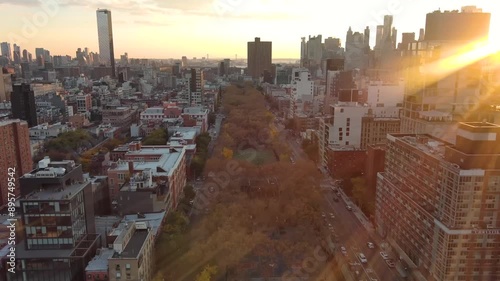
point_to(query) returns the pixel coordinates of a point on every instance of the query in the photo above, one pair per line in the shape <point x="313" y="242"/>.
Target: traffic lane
<point x="353" y="235"/>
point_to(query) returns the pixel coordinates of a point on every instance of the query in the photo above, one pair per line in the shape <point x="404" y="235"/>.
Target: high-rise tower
<point x="105" y="34"/>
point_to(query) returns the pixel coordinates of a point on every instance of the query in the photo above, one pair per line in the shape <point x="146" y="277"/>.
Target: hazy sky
<point x="220" y="28"/>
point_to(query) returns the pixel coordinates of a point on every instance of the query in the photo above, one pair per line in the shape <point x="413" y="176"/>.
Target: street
<point x="352" y="234"/>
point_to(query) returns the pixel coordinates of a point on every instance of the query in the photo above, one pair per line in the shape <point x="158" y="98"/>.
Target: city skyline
<point x="151" y="29"/>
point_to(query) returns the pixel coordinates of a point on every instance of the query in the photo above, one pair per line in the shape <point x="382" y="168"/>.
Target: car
<point x="348" y="207"/>
<point x="362" y="258"/>
<point x="370" y="245"/>
<point x="384" y="255"/>
<point x="343" y="251"/>
<point x="390" y="263"/>
<point x="353" y="263"/>
<point x="330" y="225"/>
<point x="323" y="215"/>
<point x="332" y="216"/>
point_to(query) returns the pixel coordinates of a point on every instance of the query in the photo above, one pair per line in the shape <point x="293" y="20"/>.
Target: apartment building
<point x="153" y="175"/>
<point x="15" y="153"/>
<point x="133" y="254"/>
<point x="437" y="203"/>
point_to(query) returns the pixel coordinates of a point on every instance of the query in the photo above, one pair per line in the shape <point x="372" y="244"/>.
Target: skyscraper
<point x="15" y="149"/>
<point x="40" y="57"/>
<point x="379" y="36"/>
<point x="6" y="50"/>
<point x="17" y="54"/>
<point x="23" y="104"/>
<point x="367" y="37"/>
<point x="259" y="57"/>
<point x="436" y="98"/>
<point x="105" y="34"/>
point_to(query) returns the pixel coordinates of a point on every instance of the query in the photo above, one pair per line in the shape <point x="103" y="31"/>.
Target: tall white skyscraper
<point x="105" y="34"/>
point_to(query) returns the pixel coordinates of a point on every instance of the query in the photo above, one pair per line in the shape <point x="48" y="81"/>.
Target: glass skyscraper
<point x="105" y="34"/>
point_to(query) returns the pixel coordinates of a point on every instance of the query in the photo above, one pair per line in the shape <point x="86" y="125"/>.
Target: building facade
<point x="437" y="203"/>
<point x="23" y="104"/>
<point x="259" y="58"/>
<point x="15" y="155"/>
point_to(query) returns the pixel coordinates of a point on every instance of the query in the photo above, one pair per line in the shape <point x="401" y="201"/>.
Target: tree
<point x="290" y="125"/>
<point x="189" y="192"/>
<point x="157" y="137"/>
<point x="211" y="118"/>
<point x="207" y="273"/>
<point x="359" y="191"/>
<point x="227" y="152"/>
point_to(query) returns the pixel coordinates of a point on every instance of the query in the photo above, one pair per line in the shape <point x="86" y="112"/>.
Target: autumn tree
<point x="156" y="137"/>
<point x="207" y="273"/>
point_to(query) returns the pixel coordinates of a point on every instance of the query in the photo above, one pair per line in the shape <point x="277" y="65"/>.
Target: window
<point x="129" y="276"/>
<point x="127" y="266"/>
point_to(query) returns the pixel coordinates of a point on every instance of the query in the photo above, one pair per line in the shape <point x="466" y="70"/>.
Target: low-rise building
<point x="157" y="174"/>
<point x="45" y="131"/>
<point x="133" y="254"/>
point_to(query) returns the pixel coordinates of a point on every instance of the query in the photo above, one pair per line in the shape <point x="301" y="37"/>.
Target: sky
<point x="217" y="28"/>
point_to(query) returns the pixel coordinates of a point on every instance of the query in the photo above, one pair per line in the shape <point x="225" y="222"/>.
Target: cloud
<point x="151" y="23"/>
<point x="222" y="9"/>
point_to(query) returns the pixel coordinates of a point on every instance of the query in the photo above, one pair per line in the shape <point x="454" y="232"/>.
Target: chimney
<point x="131" y="167"/>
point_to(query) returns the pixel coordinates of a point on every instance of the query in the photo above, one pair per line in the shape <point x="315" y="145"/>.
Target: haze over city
<point x="219" y="28"/>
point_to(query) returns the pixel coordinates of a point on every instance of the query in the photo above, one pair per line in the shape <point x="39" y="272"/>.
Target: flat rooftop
<point x="10" y="121"/>
<point x="153" y="220"/>
<point x="100" y="262"/>
<point x="154" y="110"/>
<point x="184" y="135"/>
<point x="134" y="245"/>
<point x="57" y="193"/>
<point x="164" y="166"/>
<point x="425" y="143"/>
<point x="480" y="125"/>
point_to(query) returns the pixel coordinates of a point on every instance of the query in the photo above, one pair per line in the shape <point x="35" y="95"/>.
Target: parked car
<point x="370" y="245"/>
<point x="343" y="251"/>
<point x="390" y="263"/>
<point x="348" y="207"/>
<point x="362" y="258"/>
<point x="384" y="255"/>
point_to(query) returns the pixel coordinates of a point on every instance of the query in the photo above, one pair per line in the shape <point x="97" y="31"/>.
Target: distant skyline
<point x="219" y="28"/>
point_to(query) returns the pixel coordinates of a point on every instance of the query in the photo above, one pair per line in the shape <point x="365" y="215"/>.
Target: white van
<point x="362" y="258"/>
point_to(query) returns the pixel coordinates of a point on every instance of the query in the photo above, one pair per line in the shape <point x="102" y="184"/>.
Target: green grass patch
<point x="260" y="157"/>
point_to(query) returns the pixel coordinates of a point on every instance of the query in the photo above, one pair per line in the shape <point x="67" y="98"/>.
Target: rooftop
<point x="11" y="121"/>
<point x="425" y="143"/>
<point x="168" y="161"/>
<point x="134" y="245"/>
<point x="154" y="221"/>
<point x="195" y="110"/>
<point x="100" y="261"/>
<point x="57" y="193"/>
<point x="480" y="125"/>
<point x="187" y="135"/>
<point x="153" y="110"/>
